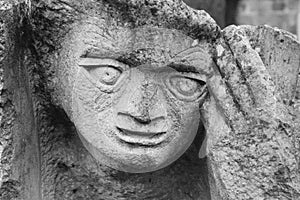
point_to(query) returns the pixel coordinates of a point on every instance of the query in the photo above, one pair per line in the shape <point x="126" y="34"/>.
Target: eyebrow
<point x="183" y="68"/>
<point x="131" y="59"/>
<point x="138" y="57"/>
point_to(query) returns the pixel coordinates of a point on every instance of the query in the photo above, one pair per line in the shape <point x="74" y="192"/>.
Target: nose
<point x="142" y="107"/>
<point x="143" y="119"/>
<point x="145" y="103"/>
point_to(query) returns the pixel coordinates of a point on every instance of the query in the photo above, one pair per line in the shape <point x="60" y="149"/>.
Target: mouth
<point x="142" y="139"/>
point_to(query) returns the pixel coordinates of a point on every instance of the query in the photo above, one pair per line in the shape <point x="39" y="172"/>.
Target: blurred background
<point x="278" y="13"/>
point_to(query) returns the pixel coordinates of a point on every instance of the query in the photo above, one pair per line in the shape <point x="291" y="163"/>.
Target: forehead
<point x="94" y="37"/>
<point x="103" y="37"/>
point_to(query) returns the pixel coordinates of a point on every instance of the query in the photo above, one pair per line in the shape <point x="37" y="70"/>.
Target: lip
<point x="136" y="137"/>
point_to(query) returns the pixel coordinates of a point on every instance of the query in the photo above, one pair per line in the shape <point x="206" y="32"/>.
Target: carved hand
<point x="252" y="144"/>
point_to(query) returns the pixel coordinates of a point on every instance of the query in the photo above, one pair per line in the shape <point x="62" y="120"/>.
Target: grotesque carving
<point x="137" y="78"/>
<point x="136" y="93"/>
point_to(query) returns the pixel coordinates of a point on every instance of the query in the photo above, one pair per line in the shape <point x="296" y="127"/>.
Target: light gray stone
<point x="119" y="99"/>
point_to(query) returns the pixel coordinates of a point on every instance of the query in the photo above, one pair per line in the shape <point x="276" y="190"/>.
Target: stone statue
<point x="145" y="100"/>
<point x="136" y="93"/>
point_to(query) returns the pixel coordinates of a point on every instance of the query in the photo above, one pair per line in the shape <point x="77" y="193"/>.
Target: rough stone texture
<point x="277" y="50"/>
<point x="254" y="151"/>
<point x="18" y="138"/>
<point x="252" y="145"/>
<point x="67" y="169"/>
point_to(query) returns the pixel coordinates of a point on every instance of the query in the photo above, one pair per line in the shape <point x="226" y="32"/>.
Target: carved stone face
<point x="136" y="93"/>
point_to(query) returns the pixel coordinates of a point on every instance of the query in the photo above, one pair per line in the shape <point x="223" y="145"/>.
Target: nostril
<point x="142" y="119"/>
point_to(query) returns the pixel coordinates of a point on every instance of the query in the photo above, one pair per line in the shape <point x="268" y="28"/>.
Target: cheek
<point x="93" y="107"/>
<point x="184" y="118"/>
<point x="187" y="130"/>
<point x="189" y="117"/>
<point x="89" y="96"/>
<point x="182" y="112"/>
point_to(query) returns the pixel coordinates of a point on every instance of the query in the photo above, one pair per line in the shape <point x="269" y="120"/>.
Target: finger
<point x="215" y="126"/>
<point x="252" y="67"/>
<point x="225" y="103"/>
<point x="233" y="77"/>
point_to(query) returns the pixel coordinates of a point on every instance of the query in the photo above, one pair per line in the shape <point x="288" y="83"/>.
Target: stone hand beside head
<point x="138" y="95"/>
<point x="145" y="99"/>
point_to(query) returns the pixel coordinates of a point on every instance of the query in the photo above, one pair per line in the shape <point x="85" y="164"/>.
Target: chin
<point x="138" y="154"/>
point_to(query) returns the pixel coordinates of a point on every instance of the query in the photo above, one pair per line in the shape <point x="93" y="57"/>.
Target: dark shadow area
<point x="231" y="12"/>
<point x="223" y="11"/>
<point x="216" y="8"/>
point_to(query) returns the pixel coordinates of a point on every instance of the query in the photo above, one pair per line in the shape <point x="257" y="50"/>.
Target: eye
<point x="186" y="88"/>
<point x="108" y="74"/>
<point x="105" y="73"/>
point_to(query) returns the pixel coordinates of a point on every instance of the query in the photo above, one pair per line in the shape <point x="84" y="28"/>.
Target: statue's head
<point x="133" y="87"/>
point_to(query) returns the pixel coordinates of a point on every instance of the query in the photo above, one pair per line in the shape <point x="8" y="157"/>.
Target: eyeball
<point x="105" y="73"/>
<point x="185" y="88"/>
<point x="108" y="75"/>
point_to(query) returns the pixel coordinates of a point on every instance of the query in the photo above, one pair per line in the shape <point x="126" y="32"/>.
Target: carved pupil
<point x="106" y="74"/>
<point x="185" y="86"/>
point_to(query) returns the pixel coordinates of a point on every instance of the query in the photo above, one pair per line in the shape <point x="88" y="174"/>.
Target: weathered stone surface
<point x="252" y="146"/>
<point x="67" y="170"/>
<point x="19" y="155"/>
<point x="254" y="152"/>
<point x="278" y="51"/>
